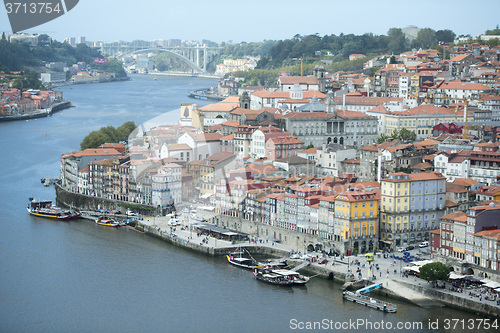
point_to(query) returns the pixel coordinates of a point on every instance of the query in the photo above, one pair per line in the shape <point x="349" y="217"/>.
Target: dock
<point x="359" y="297"/>
<point x="369" y="301"/>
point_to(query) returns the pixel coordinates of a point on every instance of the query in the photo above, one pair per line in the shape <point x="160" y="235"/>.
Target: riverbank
<point x="395" y="285"/>
<point x="186" y="74"/>
<point x="70" y="83"/>
<point x="65" y="104"/>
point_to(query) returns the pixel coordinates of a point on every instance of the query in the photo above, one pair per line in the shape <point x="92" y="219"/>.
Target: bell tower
<point x="245" y="101"/>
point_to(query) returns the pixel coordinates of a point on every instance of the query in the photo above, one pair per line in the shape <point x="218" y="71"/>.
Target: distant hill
<point x="16" y="55"/>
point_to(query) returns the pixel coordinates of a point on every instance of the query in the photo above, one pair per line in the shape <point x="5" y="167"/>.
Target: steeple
<point x="330" y="103"/>
<point x="245" y="101"/>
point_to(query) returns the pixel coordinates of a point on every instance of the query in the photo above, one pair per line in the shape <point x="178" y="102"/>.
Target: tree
<point x="493" y="31"/>
<point x="94" y="140"/>
<point x="425" y="38"/>
<point x="397" y="40"/>
<point x="123" y="132"/>
<point x="382" y="138"/>
<point x="446" y="36"/>
<point x="310" y="146"/>
<point x="108" y="135"/>
<point x="407" y="135"/>
<point x="434" y="271"/>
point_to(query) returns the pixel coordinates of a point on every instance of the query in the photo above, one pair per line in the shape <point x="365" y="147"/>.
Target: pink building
<point x="283" y="146"/>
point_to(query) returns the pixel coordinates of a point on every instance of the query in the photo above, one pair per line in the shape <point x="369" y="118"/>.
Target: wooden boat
<point x="237" y="258"/>
<point x="46" y="209"/>
<point x="107" y="222"/>
<point x="282" y="277"/>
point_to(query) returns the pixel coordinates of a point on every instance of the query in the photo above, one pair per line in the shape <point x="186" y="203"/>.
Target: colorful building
<point x="356" y="215"/>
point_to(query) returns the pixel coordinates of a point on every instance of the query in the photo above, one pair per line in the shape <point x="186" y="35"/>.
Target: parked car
<point x="324" y="261"/>
<point x="401" y="249"/>
<point x="174" y="222"/>
<point x="410" y="247"/>
<point x="424" y="244"/>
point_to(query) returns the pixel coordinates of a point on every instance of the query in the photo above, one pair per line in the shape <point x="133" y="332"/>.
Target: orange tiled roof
<point x="298" y="79"/>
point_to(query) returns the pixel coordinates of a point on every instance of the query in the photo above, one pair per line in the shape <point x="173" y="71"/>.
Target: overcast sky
<point x="257" y="20"/>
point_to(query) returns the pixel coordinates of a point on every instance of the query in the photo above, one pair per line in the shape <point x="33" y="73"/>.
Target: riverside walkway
<point x="409" y="288"/>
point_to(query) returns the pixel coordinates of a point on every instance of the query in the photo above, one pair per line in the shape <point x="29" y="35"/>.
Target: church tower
<point x="319" y="72"/>
<point x="330" y="107"/>
<point x="245" y="101"/>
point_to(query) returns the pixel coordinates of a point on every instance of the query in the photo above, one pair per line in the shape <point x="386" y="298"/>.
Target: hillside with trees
<point x="108" y="135"/>
<point x="21" y="56"/>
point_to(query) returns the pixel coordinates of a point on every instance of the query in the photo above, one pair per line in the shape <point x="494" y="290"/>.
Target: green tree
<point x="94" y="140"/>
<point x="123" y="132"/>
<point x="434" y="271"/>
<point x="382" y="138"/>
<point x="108" y="135"/>
<point x="310" y="146"/>
<point x="407" y="135"/>
<point x="28" y="80"/>
<point x="397" y="40"/>
<point x="43" y="39"/>
<point x="446" y="36"/>
<point x="425" y="38"/>
<point x="493" y="31"/>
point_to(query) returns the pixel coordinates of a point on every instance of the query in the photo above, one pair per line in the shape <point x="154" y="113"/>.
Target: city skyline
<point x="226" y="21"/>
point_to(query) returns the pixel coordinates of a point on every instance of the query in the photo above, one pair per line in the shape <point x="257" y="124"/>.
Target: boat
<point x="282" y="277"/>
<point x="236" y="258"/>
<point x="45" y="208"/>
<point x="107" y="222"/>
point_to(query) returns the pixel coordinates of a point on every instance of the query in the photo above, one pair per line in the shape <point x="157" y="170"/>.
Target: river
<point x="79" y="277"/>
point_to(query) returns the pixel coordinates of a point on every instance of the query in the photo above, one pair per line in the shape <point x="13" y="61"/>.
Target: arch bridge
<point x="196" y="57"/>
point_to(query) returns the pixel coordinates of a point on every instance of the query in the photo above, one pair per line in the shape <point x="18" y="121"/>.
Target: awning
<point x="412" y="268"/>
<point x="421" y="262"/>
<point x="492" y="284"/>
<point x="454" y="276"/>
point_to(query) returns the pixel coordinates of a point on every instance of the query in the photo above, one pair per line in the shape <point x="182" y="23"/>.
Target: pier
<point x="204" y="94"/>
<point x="369" y="301"/>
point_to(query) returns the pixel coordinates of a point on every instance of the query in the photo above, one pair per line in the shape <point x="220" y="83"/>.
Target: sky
<point x="258" y="20"/>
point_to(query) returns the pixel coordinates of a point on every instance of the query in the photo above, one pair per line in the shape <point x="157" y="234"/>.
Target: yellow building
<point x="422" y="119"/>
<point x="356" y="215"/>
<point x="414" y="87"/>
<point x="212" y="169"/>
<point x="394" y="206"/>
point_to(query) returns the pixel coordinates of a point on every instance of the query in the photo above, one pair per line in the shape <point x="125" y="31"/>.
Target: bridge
<point x="197" y="57"/>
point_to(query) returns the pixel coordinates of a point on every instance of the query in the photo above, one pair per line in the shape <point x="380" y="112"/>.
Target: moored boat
<point x="107" y="222"/>
<point x="237" y="259"/>
<point x="45" y="208"/>
<point x="282" y="277"/>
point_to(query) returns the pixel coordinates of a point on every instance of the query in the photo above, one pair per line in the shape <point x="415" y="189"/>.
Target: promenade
<point x="409" y="288"/>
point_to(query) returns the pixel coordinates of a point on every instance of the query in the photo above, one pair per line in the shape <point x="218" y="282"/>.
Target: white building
<point x="166" y="186"/>
<point x="330" y="156"/>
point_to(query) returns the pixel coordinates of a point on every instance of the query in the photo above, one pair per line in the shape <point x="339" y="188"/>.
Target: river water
<point x="79" y="277"/>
